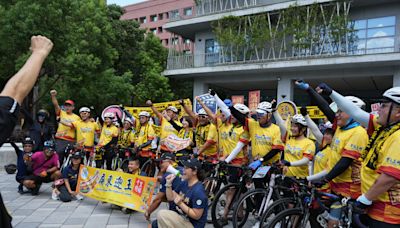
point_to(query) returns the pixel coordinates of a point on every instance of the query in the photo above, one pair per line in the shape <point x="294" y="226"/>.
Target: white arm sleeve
<point x="224" y="108"/>
<point x="234" y="153"/>
<point x="317" y="176"/>
<point x="280" y="122"/>
<point x="311" y="167"/>
<point x="348" y="107"/>
<point x="314" y="129"/>
<point x="301" y="162"/>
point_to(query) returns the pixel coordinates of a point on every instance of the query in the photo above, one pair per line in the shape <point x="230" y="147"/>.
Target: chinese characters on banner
<point x="208" y="100"/>
<point x="122" y="189"/>
<point x="237" y="99"/>
<point x="254" y="99"/>
<point x="375" y="107"/>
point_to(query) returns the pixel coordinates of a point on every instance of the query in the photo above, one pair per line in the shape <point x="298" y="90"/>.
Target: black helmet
<point x="10" y="168"/>
<point x="43" y="112"/>
<point x="28" y="140"/>
<point x="49" y="144"/>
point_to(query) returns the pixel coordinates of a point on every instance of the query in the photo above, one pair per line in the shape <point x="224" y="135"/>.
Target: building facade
<point x="153" y="14"/>
<point x="269" y="47"/>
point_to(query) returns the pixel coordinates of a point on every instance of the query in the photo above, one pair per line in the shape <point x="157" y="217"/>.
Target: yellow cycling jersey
<point x="264" y="139"/>
<point x="126" y="138"/>
<point x="167" y="128"/>
<point x="107" y="134"/>
<point x="229" y="135"/>
<point x="85" y="132"/>
<point x="207" y="133"/>
<point x="321" y="160"/>
<point x="145" y="134"/>
<point x="296" y="150"/>
<point x="65" y="132"/>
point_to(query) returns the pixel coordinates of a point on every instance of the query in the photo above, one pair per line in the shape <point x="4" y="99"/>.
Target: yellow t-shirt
<point x="229" y="136"/>
<point x="65" y="132"/>
<point x="85" y="132"/>
<point x="386" y="208"/>
<point x="207" y="133"/>
<point x="295" y="150"/>
<point x="263" y="140"/>
<point x="107" y="133"/>
<point x="348" y="143"/>
<point x="167" y="128"/>
<point x="126" y="138"/>
<point x="145" y="134"/>
<point x="321" y="160"/>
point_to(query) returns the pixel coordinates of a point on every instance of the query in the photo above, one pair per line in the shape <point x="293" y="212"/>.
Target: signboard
<point x="208" y="100"/>
<point x="122" y="189"/>
<point x="286" y="109"/>
<point x="254" y="99"/>
<point x="134" y="111"/>
<point x="237" y="99"/>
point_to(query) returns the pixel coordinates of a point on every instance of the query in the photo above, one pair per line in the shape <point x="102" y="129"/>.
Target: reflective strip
<point x="13" y="107"/>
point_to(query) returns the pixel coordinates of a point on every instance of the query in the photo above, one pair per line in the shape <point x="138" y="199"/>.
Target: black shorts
<point x="9" y="109"/>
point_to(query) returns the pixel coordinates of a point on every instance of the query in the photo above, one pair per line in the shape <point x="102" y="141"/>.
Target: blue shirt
<point x="195" y="197"/>
<point x="72" y="176"/>
<point x="175" y="185"/>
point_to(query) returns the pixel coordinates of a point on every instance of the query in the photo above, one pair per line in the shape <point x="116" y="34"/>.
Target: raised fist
<point x="53" y="92"/>
<point x="149" y="103"/>
<point x="41" y="44"/>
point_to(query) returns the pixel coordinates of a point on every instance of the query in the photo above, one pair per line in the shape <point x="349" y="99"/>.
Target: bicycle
<point x="149" y="167"/>
<point x="121" y="158"/>
<point x="69" y="151"/>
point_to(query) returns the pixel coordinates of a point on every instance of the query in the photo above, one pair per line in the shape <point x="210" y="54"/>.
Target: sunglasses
<point x="203" y="116"/>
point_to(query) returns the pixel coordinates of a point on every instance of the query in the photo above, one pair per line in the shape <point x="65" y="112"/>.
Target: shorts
<point x="9" y="109"/>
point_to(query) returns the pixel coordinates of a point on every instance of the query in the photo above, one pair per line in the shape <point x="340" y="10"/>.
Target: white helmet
<point x="109" y="115"/>
<point x="299" y="119"/>
<point x="129" y="120"/>
<point x="264" y="107"/>
<point x="202" y="112"/>
<point x="393" y="94"/>
<point x="357" y="101"/>
<point x="144" y="113"/>
<point x="242" y="108"/>
<point x="84" y="109"/>
<point x="172" y="108"/>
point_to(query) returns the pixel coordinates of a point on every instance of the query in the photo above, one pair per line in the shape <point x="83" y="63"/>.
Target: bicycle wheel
<point x="246" y="212"/>
<point x="275" y="208"/>
<point x="220" y="203"/>
<point x="290" y="218"/>
<point x="212" y="186"/>
<point x="124" y="165"/>
<point x="149" y="168"/>
<point x="114" y="163"/>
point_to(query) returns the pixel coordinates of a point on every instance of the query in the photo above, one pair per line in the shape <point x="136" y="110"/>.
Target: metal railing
<point x="243" y="56"/>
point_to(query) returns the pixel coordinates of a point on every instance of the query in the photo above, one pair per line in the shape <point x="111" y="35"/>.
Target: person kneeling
<point x="133" y="168"/>
<point x="189" y="199"/>
<point x="66" y="187"/>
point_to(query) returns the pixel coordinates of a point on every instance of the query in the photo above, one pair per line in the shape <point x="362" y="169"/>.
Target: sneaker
<point x="21" y="189"/>
<point x="79" y="197"/>
<point x="54" y="195"/>
<point x="125" y="210"/>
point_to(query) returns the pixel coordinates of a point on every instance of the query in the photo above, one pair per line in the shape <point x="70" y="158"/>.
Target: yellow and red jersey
<point x="296" y="150"/>
<point x="65" y="132"/>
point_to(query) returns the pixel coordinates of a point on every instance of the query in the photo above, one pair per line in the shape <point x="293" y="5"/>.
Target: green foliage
<point x="97" y="59"/>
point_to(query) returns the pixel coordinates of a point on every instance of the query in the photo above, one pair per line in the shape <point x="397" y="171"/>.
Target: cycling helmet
<point x="27" y="140"/>
<point x="129" y="120"/>
<point x="84" y="109"/>
<point x="393" y="94"/>
<point x="49" y="144"/>
<point x="78" y="155"/>
<point x="299" y="119"/>
<point x="202" y="112"/>
<point x="109" y="115"/>
<point x="43" y="112"/>
<point x="144" y="113"/>
<point x="242" y="108"/>
<point x="10" y="168"/>
<point x="264" y="107"/>
<point x="228" y="102"/>
<point x="172" y="108"/>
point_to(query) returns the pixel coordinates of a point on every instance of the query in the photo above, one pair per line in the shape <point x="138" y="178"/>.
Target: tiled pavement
<point x="41" y="211"/>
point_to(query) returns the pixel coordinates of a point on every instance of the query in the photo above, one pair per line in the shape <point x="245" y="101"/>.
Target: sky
<point x="123" y="2"/>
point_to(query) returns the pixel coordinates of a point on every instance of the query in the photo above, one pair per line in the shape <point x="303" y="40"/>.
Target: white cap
<point x="84" y="109"/>
<point x="144" y="113"/>
<point x="109" y="115"/>
<point x="172" y="108"/>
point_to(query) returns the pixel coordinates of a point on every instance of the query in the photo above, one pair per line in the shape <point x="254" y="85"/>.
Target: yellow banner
<point x="314" y="112"/>
<point x="122" y="189"/>
<point x="134" y="111"/>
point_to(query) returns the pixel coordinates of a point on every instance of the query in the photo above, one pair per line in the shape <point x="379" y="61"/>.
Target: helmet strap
<point x="389" y="114"/>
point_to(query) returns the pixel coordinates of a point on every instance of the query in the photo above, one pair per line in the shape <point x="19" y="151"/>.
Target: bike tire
<point x="275" y="208"/>
<point x="212" y="186"/>
<point x="283" y="219"/>
<point x="216" y="202"/>
<point x="124" y="165"/>
<point x="148" y="168"/>
<point x="247" y="202"/>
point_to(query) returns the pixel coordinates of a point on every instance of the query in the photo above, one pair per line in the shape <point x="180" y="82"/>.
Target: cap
<point x="77" y="155"/>
<point x="71" y="102"/>
<point x="166" y="156"/>
<point x="84" y="109"/>
<point x="172" y="108"/>
<point x="192" y="163"/>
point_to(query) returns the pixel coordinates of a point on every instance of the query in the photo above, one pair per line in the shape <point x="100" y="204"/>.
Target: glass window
<point x="153" y="30"/>
<point x="361" y="24"/>
<point x="143" y="20"/>
<point x="381" y="22"/>
<point x="153" y="18"/>
<point x="188" y="11"/>
<point x="212" y="46"/>
<point x="379" y="32"/>
<point x="380" y="42"/>
<point x="160" y="16"/>
<point x="174" y="14"/>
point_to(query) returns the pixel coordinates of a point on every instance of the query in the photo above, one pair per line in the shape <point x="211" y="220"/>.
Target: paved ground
<point x="41" y="211"/>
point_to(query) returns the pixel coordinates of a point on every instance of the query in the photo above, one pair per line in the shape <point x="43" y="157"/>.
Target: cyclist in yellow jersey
<point x="127" y="135"/>
<point x="206" y="133"/>
<point x="170" y="114"/>
<point x="108" y="140"/>
<point x="380" y="171"/>
<point x="65" y="135"/>
<point x="185" y="132"/>
<point x="144" y="138"/>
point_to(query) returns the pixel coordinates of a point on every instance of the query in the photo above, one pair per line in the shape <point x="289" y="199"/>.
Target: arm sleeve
<point x="314" y="129"/>
<point x="302" y="162"/>
<point x="176" y="126"/>
<point x="224" y="108"/>
<point x="339" y="168"/>
<point x="238" y="115"/>
<point x="235" y="152"/>
<point x="16" y="148"/>
<point x="317" y="176"/>
<point x="322" y="104"/>
<point x="280" y="122"/>
<point x="271" y="154"/>
<point x="348" y="107"/>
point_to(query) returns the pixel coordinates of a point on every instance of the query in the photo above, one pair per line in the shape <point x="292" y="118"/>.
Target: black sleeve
<point x="271" y="154"/>
<point x="16" y="148"/>
<point x="238" y="115"/>
<point x="322" y="104"/>
<point x="339" y="168"/>
<point x="28" y="116"/>
<point x="119" y="122"/>
<point x="176" y="126"/>
<point x="114" y="141"/>
<point x="146" y="144"/>
<point x="101" y="120"/>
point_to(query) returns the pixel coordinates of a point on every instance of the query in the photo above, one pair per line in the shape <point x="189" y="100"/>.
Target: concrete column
<point x="199" y="87"/>
<point x="285" y="89"/>
<point x="396" y="78"/>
